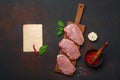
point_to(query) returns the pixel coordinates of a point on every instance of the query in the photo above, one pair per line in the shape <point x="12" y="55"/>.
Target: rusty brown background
<point x="100" y="16"/>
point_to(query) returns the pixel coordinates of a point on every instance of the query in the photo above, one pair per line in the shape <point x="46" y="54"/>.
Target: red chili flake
<point x="35" y="50"/>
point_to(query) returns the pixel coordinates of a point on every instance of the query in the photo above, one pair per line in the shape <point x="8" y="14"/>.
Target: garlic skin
<point x="92" y="36"/>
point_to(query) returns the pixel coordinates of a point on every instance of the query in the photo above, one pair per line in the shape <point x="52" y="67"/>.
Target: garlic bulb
<point x="92" y="36"/>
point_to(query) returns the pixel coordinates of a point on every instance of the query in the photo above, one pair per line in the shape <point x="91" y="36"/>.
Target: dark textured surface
<point x="100" y="16"/>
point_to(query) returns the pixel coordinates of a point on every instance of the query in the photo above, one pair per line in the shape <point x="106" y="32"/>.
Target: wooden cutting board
<point x="82" y="28"/>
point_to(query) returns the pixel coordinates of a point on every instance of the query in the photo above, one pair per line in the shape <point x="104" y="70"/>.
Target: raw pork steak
<point x="70" y="49"/>
<point x="74" y="33"/>
<point x="65" y="65"/>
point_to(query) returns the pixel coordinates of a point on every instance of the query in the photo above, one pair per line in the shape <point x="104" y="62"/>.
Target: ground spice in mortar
<point x="89" y="56"/>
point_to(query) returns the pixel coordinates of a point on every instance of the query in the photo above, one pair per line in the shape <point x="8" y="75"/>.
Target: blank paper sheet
<point x="32" y="34"/>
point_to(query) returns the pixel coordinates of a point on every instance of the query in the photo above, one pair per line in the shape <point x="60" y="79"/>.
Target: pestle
<point x="98" y="53"/>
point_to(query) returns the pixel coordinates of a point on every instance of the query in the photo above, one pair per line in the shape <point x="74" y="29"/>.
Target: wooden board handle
<point x="79" y="13"/>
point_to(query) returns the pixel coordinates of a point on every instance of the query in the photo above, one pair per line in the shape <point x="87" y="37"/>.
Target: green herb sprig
<point x="60" y="28"/>
<point x="43" y="49"/>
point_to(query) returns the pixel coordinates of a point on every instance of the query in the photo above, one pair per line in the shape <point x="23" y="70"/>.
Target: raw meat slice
<point x="74" y="33"/>
<point x="65" y="65"/>
<point x="69" y="48"/>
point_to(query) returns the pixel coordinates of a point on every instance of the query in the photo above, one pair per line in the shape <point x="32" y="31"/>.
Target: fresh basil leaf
<point x="60" y="23"/>
<point x="43" y="49"/>
<point x="60" y="28"/>
<point x="59" y="33"/>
